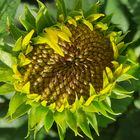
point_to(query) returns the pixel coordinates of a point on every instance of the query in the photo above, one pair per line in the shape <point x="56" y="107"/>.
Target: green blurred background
<point x="126" y="16"/>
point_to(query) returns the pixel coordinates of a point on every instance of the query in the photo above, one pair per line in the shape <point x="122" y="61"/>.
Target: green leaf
<point x="93" y="10"/>
<point x="6" y="74"/>
<point x="26" y="24"/>
<point x="6" y="88"/>
<point x="119" y="18"/>
<point x="15" y="32"/>
<point x="71" y="120"/>
<point x="29" y="17"/>
<point x="61" y="9"/>
<point x="93" y="121"/>
<point x="15" y="102"/>
<point x="78" y="5"/>
<point x="48" y="120"/>
<point x="7" y="58"/>
<point x="43" y="18"/>
<point x="7" y="9"/>
<point x="83" y="123"/>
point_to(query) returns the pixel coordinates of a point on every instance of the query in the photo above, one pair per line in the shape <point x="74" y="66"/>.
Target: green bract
<point x="65" y="69"/>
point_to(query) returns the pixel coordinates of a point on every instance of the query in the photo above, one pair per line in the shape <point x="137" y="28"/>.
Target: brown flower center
<point x="57" y="78"/>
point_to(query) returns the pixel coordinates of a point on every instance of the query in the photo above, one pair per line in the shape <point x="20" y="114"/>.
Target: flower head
<point x="67" y="68"/>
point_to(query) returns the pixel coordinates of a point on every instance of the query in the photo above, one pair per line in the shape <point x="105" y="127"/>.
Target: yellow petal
<point x="89" y="100"/>
<point x="86" y="22"/>
<point x="44" y="103"/>
<point x="105" y="79"/>
<point x="32" y="96"/>
<point x="63" y="36"/>
<point x="106" y="90"/>
<point x="27" y="38"/>
<point x="92" y="90"/>
<point x="94" y="17"/>
<point x="102" y="26"/>
<point x="72" y="21"/>
<point x="17" y="74"/>
<point x="66" y="30"/>
<point x="18" y="86"/>
<point x="115" y="48"/>
<point x="60" y="109"/>
<point x="29" y="49"/>
<point x="26" y="88"/>
<point x="52" y="106"/>
<point x="23" y="60"/>
<point x="109" y="73"/>
<point x="118" y="71"/>
<point x="81" y="100"/>
<point x="115" y="64"/>
<point x="52" y="34"/>
<point x="78" y="17"/>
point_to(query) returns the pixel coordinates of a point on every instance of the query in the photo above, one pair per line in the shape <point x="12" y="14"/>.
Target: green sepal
<point x="48" y="120"/>
<point x="6" y="88"/>
<point x="93" y="121"/>
<point x="59" y="118"/>
<point x="29" y="17"/>
<point x="107" y="108"/>
<point x="90" y="108"/>
<point x="83" y="123"/>
<point x="125" y="46"/>
<point x="119" y="92"/>
<point x="125" y="77"/>
<point x="61" y="9"/>
<point x="43" y="18"/>
<point x="9" y="61"/>
<point x="75" y="13"/>
<point x="17" y="100"/>
<point x="71" y="120"/>
<point x="107" y="19"/>
<point x="18" y="45"/>
<point x="102" y="110"/>
<point x="93" y="10"/>
<point x="36" y="118"/>
<point x="121" y="37"/>
<point x="6" y="74"/>
<point x="21" y="110"/>
<point x="61" y="132"/>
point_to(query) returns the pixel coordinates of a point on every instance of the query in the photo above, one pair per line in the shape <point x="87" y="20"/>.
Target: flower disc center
<point x="58" y="78"/>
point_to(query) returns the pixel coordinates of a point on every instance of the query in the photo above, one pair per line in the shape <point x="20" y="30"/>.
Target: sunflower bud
<point x="66" y="68"/>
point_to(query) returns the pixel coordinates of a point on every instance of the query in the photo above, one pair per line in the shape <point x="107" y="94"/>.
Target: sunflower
<point x="66" y="68"/>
